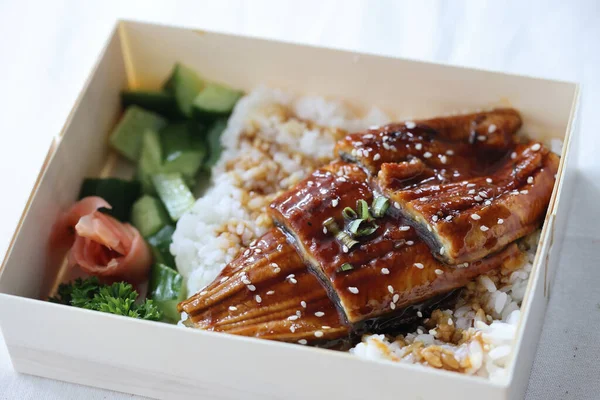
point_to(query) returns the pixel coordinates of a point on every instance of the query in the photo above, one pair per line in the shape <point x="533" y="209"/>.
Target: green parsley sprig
<point x="118" y="298"/>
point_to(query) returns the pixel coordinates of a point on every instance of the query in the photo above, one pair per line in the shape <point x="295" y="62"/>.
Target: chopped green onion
<point x="368" y="230"/>
<point x="331" y="225"/>
<point x="346" y="239"/>
<point x="362" y="209"/>
<point x="349" y="213"/>
<point x="380" y="206"/>
<point x="346" y="267"/>
<point x="354" y="226"/>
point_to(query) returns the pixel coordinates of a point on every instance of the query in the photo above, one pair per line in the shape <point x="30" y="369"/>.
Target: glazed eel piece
<point x="392" y="268"/>
<point x="267" y="292"/>
<point x="462" y="182"/>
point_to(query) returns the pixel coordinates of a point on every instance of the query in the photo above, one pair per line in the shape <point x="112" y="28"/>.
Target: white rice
<point x="271" y="142"/>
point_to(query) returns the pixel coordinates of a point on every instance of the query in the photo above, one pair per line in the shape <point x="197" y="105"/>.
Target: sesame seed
<point x="345" y="248"/>
<point x="418" y="146"/>
<point x="530" y="180"/>
<point x="477" y="198"/>
<point x="386" y="146"/>
<point x="318" y="333"/>
<point x="202" y="293"/>
<point x="439" y="272"/>
<point x="223" y="279"/>
<point x="258" y="251"/>
<point x="472" y="191"/>
<point x="392" y="306"/>
<point x="500" y="221"/>
<point x="450" y="322"/>
<point x="270" y="292"/>
<point x="302" y="341"/>
<point x="245" y="281"/>
<point x="419" y="265"/>
<point x="476" y="217"/>
<point x="443" y="159"/>
<point x="487" y="202"/>
<point x="376" y="157"/>
<point x="513" y="155"/>
<point x="483" y="194"/>
<point x="319" y="314"/>
<point x="397" y="205"/>
<point x="524" y="191"/>
<point x="335" y="202"/>
<point x="410" y="124"/>
<point x="492" y="128"/>
<point x="325" y="327"/>
<point x="390" y="289"/>
<point x="252" y="288"/>
<point x="449" y="218"/>
<point x="353" y="290"/>
<point x="325" y="230"/>
<point x="404" y="228"/>
<point x="536" y="147"/>
<point x="484" y="228"/>
<point x="396" y="298"/>
<point x="292" y="329"/>
<point x="420" y="331"/>
<point x="409" y="242"/>
<point x="432" y="332"/>
<point x="293" y="281"/>
<point x="429" y="228"/>
<point x="292" y="317"/>
<point x="450" y="152"/>
<point x="488" y="180"/>
<point x="290" y="276"/>
<point x="277" y="270"/>
<point x="232" y="308"/>
<point x="482" y="138"/>
<point x="419" y="314"/>
<point x="434" y="218"/>
<point x="471" y="185"/>
<point x="442" y="250"/>
<point x="247" y="252"/>
<point x="258" y="298"/>
<point x="303" y="304"/>
<point x="427" y="154"/>
<point x="298" y="314"/>
<point x="385" y="271"/>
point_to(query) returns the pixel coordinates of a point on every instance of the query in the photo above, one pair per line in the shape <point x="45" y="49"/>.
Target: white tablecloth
<point x="48" y="47"/>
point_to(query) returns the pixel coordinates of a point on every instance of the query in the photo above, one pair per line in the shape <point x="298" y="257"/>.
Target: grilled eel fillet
<point x="273" y="289"/>
<point x="463" y="182"/>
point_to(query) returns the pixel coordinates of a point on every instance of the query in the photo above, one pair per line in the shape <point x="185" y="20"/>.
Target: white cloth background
<point x="47" y="49"/>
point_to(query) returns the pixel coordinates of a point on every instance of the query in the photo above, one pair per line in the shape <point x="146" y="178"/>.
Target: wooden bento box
<point x="166" y="361"/>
